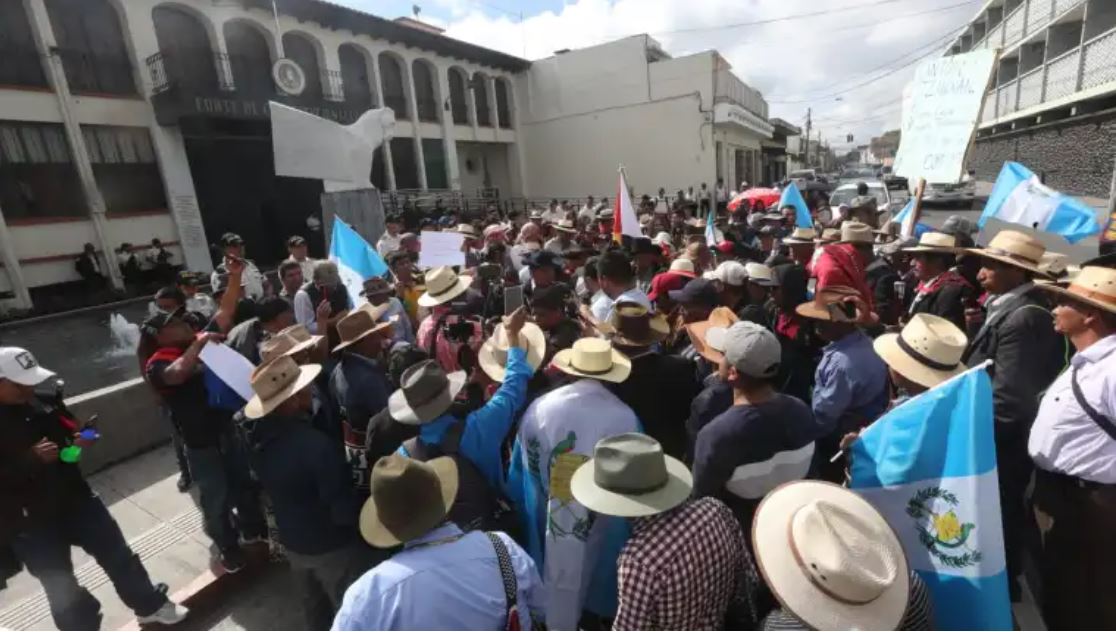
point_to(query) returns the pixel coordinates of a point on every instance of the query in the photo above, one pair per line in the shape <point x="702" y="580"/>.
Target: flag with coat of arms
<point x="929" y="466"/>
<point x="356" y="260"/>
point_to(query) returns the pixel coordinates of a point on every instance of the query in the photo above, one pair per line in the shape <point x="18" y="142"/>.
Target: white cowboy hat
<point x="830" y="558"/>
<point x="594" y="358"/>
<point x="935" y="242"/>
<point x="565" y="225"/>
<point x="425" y="392"/>
<point x="1094" y="286"/>
<point x="682" y="266"/>
<point x="630" y="476"/>
<point x="275" y="383"/>
<point x="928" y="351"/>
<point x="801" y="236"/>
<point x="493" y="354"/>
<point x="288" y="342"/>
<point x="856" y="233"/>
<point x="466" y="229"/>
<point x="442" y="286"/>
<point x="1014" y="248"/>
<point x="359" y="324"/>
<point x="760" y="274"/>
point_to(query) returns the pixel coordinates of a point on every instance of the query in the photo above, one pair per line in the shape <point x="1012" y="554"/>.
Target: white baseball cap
<point x="731" y="273"/>
<point x="752" y="349"/>
<point x="19" y="366"/>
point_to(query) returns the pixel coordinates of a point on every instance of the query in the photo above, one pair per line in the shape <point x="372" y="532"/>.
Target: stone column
<point x="389" y="166"/>
<point x="449" y="135"/>
<point x="412" y="105"/>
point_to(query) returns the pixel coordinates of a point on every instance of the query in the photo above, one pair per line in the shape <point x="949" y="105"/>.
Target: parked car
<point x="892" y="181"/>
<point x="886" y="205"/>
<point x="958" y="194"/>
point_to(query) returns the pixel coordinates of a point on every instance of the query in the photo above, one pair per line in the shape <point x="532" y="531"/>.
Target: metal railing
<point x="88" y="72"/>
<point x="1062" y="76"/>
<point x="1038" y="15"/>
<point x="1099" y="65"/>
<point x="168" y="71"/>
<point x="1061" y="6"/>
<point x="1013" y="26"/>
<point x="995" y="37"/>
<point x="729" y="87"/>
<point x="1006" y="98"/>
<point x="332" y="86"/>
<point x="1030" y="88"/>
<point x="21" y="67"/>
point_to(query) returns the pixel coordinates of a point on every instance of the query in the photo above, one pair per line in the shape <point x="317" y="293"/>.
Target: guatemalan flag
<point x="793" y="197"/>
<point x="929" y="466"/>
<point x="1020" y="198"/>
<point x="355" y="259"/>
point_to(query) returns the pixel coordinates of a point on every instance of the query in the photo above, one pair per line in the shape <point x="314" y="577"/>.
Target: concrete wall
<point x="1076" y="155"/>
<point x="128" y="420"/>
<point x="499" y="167"/>
<point x="588" y="79"/>
<point x="684" y="75"/>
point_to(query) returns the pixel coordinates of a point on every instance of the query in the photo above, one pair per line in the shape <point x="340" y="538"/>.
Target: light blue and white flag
<point x="356" y="260"/>
<point x="929" y="466"/>
<point x="906" y="219"/>
<point x="712" y="235"/>
<point x="1020" y="198"/>
<point x="793" y="197"/>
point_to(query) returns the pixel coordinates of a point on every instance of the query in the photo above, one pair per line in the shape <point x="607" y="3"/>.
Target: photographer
<point x="452" y="333"/>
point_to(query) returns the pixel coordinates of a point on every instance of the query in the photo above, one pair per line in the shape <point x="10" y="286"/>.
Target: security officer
<point x="46" y="506"/>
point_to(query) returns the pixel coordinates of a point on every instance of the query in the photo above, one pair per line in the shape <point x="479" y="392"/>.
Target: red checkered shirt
<point x="680" y="569"/>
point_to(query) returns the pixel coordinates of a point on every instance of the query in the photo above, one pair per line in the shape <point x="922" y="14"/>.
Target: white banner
<point x="441" y="249"/>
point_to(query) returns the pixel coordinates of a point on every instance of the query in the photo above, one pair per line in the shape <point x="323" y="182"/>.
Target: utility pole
<point x="808" y="124"/>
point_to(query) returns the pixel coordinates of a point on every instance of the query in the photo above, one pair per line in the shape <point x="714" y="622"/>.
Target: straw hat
<point x="360" y="324"/>
<point x="290" y="341"/>
<point x="594" y="358"/>
<point x="830" y="303"/>
<point x="721" y="317"/>
<point x="1054" y="264"/>
<point x="275" y="383"/>
<point x="493" y="354"/>
<point x="760" y="274"/>
<point x="629" y="476"/>
<point x="830" y="558"/>
<point x="935" y="242"/>
<point x="683" y="266"/>
<point x="425" y="392"/>
<point x="632" y="325"/>
<point x="829" y="235"/>
<point x="801" y="236"/>
<point x="377" y="286"/>
<point x="928" y="351"/>
<point x="566" y="226"/>
<point x="1014" y="248"/>
<point x="442" y="286"/>
<point x="1094" y="286"/>
<point x="856" y="233"/>
<point x="409" y="498"/>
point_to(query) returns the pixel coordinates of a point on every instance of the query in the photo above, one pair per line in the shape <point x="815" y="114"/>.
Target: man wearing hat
<point x="425" y="398"/>
<point x="564" y="230"/>
<point x="850" y="383"/>
<point x="681" y="567"/>
<point x="731" y="279"/>
<point x="541" y="268"/>
<point x="557" y="433"/>
<point x="309" y="485"/>
<point x="255" y="283"/>
<point x="660" y="386"/>
<point x="1018" y="335"/>
<point x="800" y="245"/>
<point x="378" y="291"/>
<point x="924" y="354"/>
<point x="196" y="301"/>
<point x="444" y="288"/>
<point x="46" y="506"/>
<point x="760" y="308"/>
<point x="1073" y="446"/>
<point x="442" y="578"/>
<point x="940" y="290"/>
<point x="680" y="273"/>
<point x="845" y="262"/>
<point x="298" y="251"/>
<point x="765" y="439"/>
<point x="697" y="300"/>
<point x="359" y="382"/>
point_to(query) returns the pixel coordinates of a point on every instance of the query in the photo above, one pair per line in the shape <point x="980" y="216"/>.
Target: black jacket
<point x="659" y="391"/>
<point x="948" y="301"/>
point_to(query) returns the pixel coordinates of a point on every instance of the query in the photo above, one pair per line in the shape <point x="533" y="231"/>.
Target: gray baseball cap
<point x="752" y="349"/>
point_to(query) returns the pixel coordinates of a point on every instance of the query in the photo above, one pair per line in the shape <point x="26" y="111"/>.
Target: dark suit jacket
<point x="659" y="391"/>
<point x="947" y="301"/>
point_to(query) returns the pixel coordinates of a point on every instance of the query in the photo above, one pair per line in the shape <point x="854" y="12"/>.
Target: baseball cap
<point x="731" y="273"/>
<point x="19" y="366"/>
<point x="750" y="348"/>
<point x="699" y="291"/>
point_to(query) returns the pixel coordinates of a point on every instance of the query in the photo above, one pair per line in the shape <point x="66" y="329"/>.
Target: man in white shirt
<point x="1073" y="445"/>
<point x="588" y="212"/>
<point x="299" y="252"/>
<point x="390" y="241"/>
<point x="618" y="283"/>
<point x="254" y="282"/>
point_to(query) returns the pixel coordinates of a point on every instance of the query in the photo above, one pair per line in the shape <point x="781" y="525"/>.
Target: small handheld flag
<point x="1020" y="197"/>
<point x="624" y="220"/>
<point x="355" y="259"/>
<point x="793" y="197"/>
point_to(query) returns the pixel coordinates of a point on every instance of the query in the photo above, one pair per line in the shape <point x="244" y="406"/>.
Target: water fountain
<point x="125" y="336"/>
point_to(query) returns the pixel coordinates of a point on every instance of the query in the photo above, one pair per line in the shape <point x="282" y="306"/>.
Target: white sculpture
<point x="308" y="146"/>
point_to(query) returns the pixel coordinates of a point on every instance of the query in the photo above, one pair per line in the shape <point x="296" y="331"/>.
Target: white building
<point x="127" y="120"/>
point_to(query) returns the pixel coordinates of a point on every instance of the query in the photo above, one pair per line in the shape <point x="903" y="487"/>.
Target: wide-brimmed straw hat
<point x="721" y="317"/>
<point x="468" y="230"/>
<point x="856" y="233"/>
<point x="288" y="342"/>
<point x="760" y="274"/>
<point x="927" y="351"/>
<point x="425" y="392"/>
<point x="683" y="266"/>
<point x="566" y="226"/>
<point x="633" y="325"/>
<point x="275" y="383"/>
<point x="830" y="558"/>
<point x="630" y="476"/>
<point x="1094" y="286"/>
<point x="359" y="324"/>
<point x="493" y="354"/>
<point x="442" y="286"/>
<point x="377" y="286"/>
<point x="801" y="236"/>
<point x="935" y="242"/>
<point x="829" y="236"/>
<point x="594" y="358"/>
<point x="1013" y="248"/>
<point x="409" y="498"/>
<point x="828" y="305"/>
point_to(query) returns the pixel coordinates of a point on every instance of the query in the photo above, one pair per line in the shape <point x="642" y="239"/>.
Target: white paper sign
<point x="441" y="249"/>
<point x="941" y="108"/>
<point x="233" y="368"/>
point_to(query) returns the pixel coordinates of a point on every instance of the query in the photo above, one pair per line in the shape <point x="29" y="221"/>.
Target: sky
<point x="846" y="60"/>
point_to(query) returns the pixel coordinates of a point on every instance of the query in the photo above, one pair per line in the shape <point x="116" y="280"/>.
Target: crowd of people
<point x="576" y="431"/>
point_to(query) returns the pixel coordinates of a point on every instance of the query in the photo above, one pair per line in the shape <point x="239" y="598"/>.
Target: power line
<point x="785" y="18"/>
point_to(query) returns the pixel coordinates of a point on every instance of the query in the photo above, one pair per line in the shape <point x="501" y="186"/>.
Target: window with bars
<point x="125" y="168"/>
<point x="37" y="174"/>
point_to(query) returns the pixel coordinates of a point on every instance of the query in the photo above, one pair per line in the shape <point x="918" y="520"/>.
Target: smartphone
<point x="513" y="298"/>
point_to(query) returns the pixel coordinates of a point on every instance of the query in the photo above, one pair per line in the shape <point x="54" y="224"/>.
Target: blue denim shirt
<point x="850" y="384"/>
<point x="486" y="427"/>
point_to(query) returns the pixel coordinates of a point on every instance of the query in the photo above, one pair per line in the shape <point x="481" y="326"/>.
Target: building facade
<point x="1051" y="102"/>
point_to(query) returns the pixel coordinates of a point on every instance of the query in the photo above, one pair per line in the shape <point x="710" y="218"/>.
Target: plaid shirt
<point x="681" y="569"/>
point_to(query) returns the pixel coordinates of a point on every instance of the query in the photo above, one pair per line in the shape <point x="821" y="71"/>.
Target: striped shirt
<point x="918" y="616"/>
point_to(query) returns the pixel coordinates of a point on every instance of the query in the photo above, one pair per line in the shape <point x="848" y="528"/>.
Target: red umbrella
<point x="769" y="197"/>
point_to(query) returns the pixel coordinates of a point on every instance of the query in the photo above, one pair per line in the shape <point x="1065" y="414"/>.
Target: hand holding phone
<point x="513" y="298"/>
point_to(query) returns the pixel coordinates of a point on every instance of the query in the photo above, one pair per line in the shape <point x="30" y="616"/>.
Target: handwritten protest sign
<point x="940" y="112"/>
<point x="441" y="249"/>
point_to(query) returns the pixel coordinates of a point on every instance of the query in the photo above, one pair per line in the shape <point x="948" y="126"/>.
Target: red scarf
<point x="787" y="325"/>
<point x="949" y="277"/>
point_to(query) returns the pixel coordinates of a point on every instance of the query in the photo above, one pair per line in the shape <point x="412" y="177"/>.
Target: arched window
<point x="299" y="49"/>
<point x="391" y="76"/>
<point x="354" y="74"/>
<point x="458" y="96"/>
<point x="188" y="58"/>
<point x="480" y="93"/>
<point x="21" y="65"/>
<point x="425" y="100"/>
<point x="249" y="58"/>
<point x="91" y="45"/>
<point x="503" y="104"/>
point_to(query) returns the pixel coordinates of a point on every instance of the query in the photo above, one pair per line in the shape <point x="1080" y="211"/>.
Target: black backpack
<point x="477" y="507"/>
